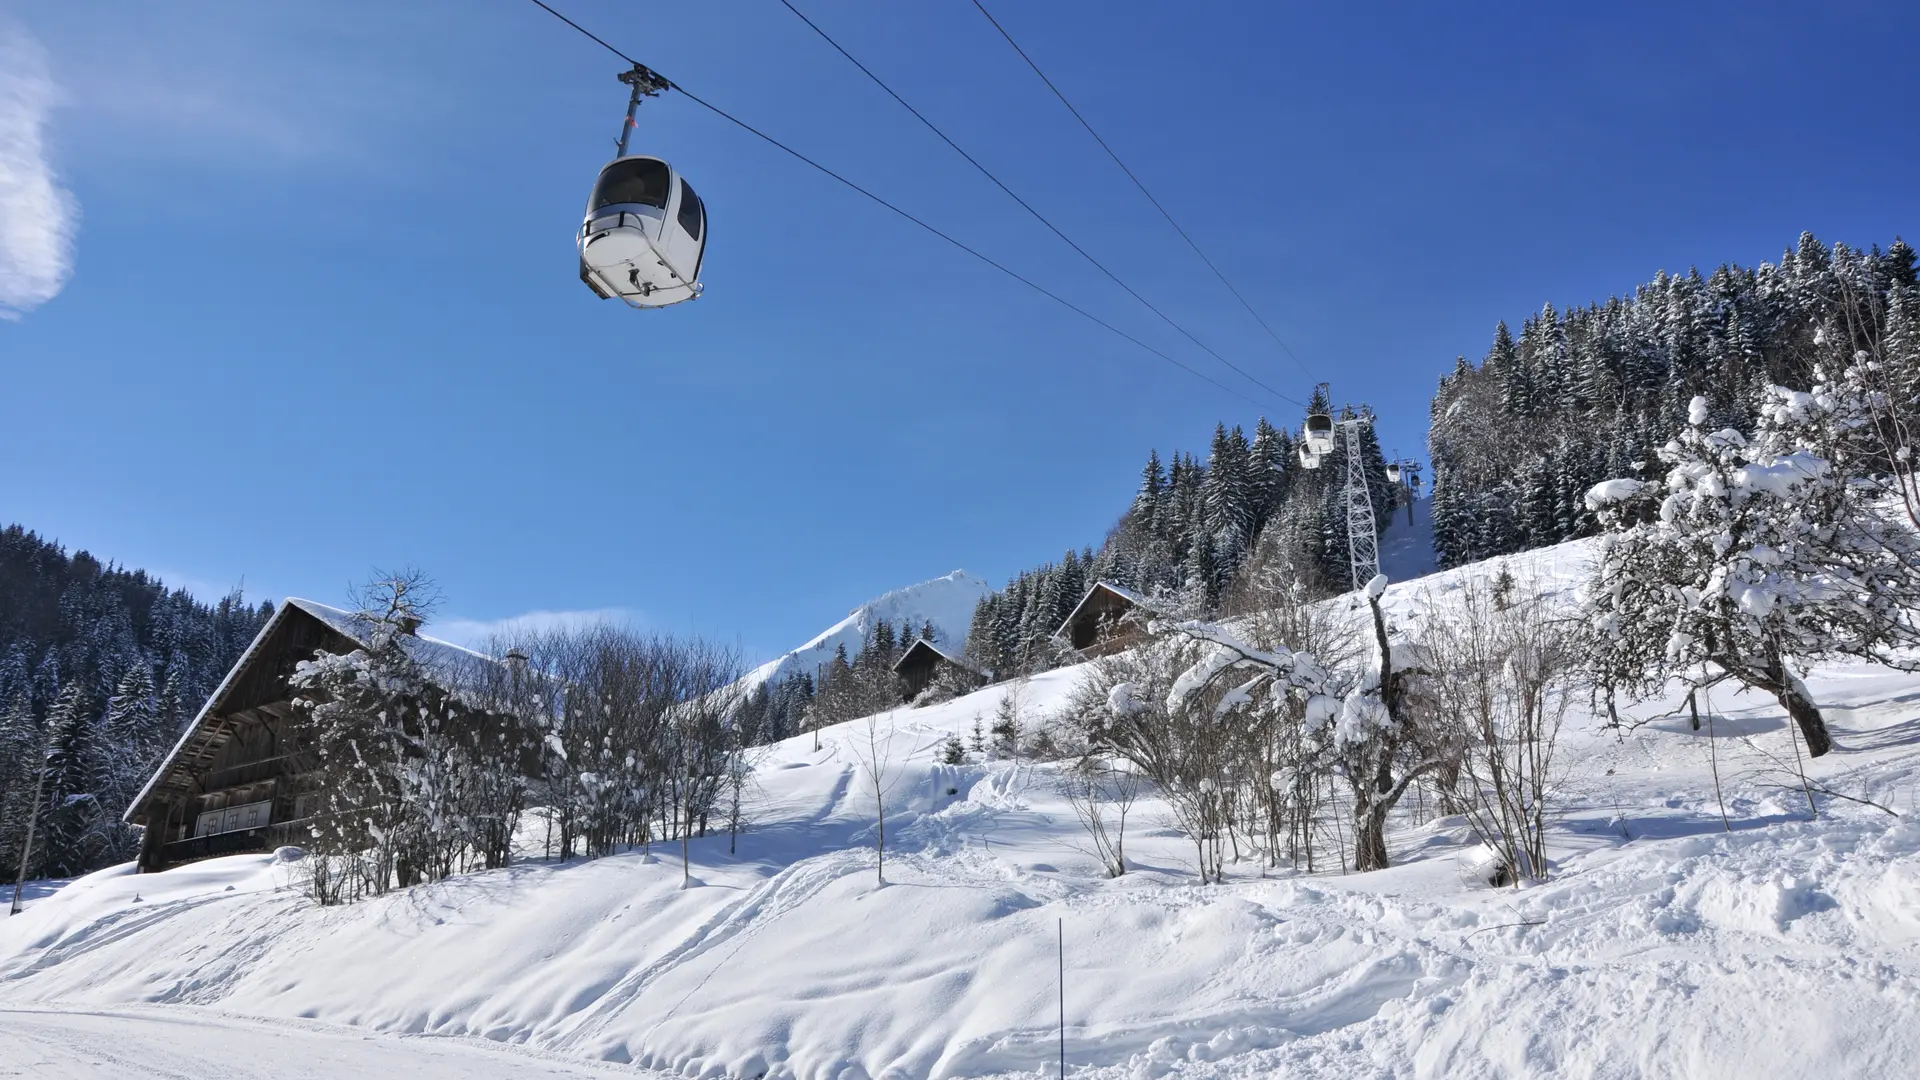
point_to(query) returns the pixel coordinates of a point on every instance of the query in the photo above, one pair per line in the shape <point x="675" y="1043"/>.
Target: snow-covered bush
<point x="1754" y="556"/>
<point x="1125" y="708"/>
<point x="417" y="775"/>
<point x="375" y="725"/>
<point x="1242" y="739"/>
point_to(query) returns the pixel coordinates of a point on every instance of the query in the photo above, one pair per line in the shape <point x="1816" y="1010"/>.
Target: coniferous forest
<point x="1575" y="398"/>
<point x="100" y="669"/>
<point x="1589" y="394"/>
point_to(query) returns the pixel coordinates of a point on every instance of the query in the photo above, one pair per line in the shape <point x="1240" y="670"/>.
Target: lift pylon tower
<point x="1363" y="537"/>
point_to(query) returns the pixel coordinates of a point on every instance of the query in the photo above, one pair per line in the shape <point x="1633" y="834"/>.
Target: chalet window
<point x="255" y="815"/>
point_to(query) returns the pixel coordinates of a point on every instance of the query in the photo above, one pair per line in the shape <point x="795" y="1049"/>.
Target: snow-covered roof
<point x="943" y="654"/>
<point x="1120" y="591"/>
<point x="441" y="658"/>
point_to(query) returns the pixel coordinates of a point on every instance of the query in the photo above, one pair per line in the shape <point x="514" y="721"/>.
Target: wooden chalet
<point x="233" y="783"/>
<point x="1107" y="620"/>
<point x="923" y="662"/>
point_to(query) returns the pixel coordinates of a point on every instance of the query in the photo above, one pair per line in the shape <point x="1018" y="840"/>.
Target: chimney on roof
<point x="516" y="659"/>
<point x="409" y="624"/>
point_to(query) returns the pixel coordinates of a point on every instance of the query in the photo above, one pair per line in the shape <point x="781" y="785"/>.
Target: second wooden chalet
<point x="1106" y="620"/>
<point x="923" y="662"/>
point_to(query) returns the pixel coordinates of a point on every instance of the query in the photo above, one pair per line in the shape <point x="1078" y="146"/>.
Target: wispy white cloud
<point x="38" y="217"/>
<point x="475" y="633"/>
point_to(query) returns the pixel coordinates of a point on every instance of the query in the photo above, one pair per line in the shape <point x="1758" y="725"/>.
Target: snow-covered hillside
<point x="947" y="602"/>
<point x="1666" y="945"/>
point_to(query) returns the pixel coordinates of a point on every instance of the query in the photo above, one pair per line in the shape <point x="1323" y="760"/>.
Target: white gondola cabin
<point x="644" y="234"/>
<point x="1319" y="433"/>
<point x="1393" y="472"/>
<point x="1308" y="459"/>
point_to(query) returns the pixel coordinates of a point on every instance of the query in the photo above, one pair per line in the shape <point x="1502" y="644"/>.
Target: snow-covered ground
<point x="1665" y="945"/>
<point x="947" y="602"/>
<point x="145" y="1042"/>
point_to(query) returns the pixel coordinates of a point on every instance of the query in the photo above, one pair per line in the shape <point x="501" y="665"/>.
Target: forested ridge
<point x="1590" y="394"/>
<point x="100" y="667"/>
<point x="1200" y="538"/>
<point x="1516" y="441"/>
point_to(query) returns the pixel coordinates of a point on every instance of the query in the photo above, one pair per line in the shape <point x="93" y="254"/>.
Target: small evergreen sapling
<point x="953" y="752"/>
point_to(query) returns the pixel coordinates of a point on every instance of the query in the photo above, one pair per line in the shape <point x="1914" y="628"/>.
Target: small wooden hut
<point x="1108" y="619"/>
<point x="233" y="782"/>
<point x="923" y="662"/>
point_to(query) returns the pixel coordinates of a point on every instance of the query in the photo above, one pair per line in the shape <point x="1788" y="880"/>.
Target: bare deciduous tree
<point x="1501" y="674"/>
<point x="1102" y="792"/>
<point x="873" y="747"/>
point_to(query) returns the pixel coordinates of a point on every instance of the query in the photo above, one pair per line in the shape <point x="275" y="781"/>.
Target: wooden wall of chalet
<point x="1105" y="622"/>
<point x="244" y="746"/>
<point x="922" y="663"/>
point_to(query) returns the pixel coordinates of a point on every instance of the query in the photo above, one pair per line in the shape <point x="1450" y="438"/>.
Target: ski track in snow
<point x="1664" y="945"/>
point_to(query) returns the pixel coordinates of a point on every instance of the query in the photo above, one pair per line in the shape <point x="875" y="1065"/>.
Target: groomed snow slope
<point x="947" y="602"/>
<point x="1665" y="946"/>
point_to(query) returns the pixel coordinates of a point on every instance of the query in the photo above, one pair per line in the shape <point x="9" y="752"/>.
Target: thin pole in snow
<point x="33" y="815"/>
<point x="1063" y="997"/>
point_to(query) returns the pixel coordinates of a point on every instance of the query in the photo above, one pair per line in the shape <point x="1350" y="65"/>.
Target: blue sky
<point x="321" y="311"/>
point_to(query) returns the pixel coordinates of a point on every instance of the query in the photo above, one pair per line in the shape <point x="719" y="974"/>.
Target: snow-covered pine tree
<point x="134" y="735"/>
<point x="1227" y="498"/>
<point x="21" y="751"/>
<point x="70" y="809"/>
<point x="1267" y="461"/>
<point x="838" y="696"/>
<point x="1900" y="347"/>
<point x="981" y="648"/>
<point x="1146" y="501"/>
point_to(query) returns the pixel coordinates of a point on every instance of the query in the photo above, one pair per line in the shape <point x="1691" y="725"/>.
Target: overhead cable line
<point x="1028" y="207"/>
<point x="1288" y="349"/>
<point x="1017" y="276"/>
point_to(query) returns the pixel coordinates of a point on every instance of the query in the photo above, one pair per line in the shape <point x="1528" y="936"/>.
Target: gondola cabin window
<point x="642" y="181"/>
<point x="693" y="216"/>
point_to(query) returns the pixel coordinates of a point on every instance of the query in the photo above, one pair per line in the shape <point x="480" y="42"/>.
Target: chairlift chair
<point x="1319" y="433"/>
<point x="645" y="231"/>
